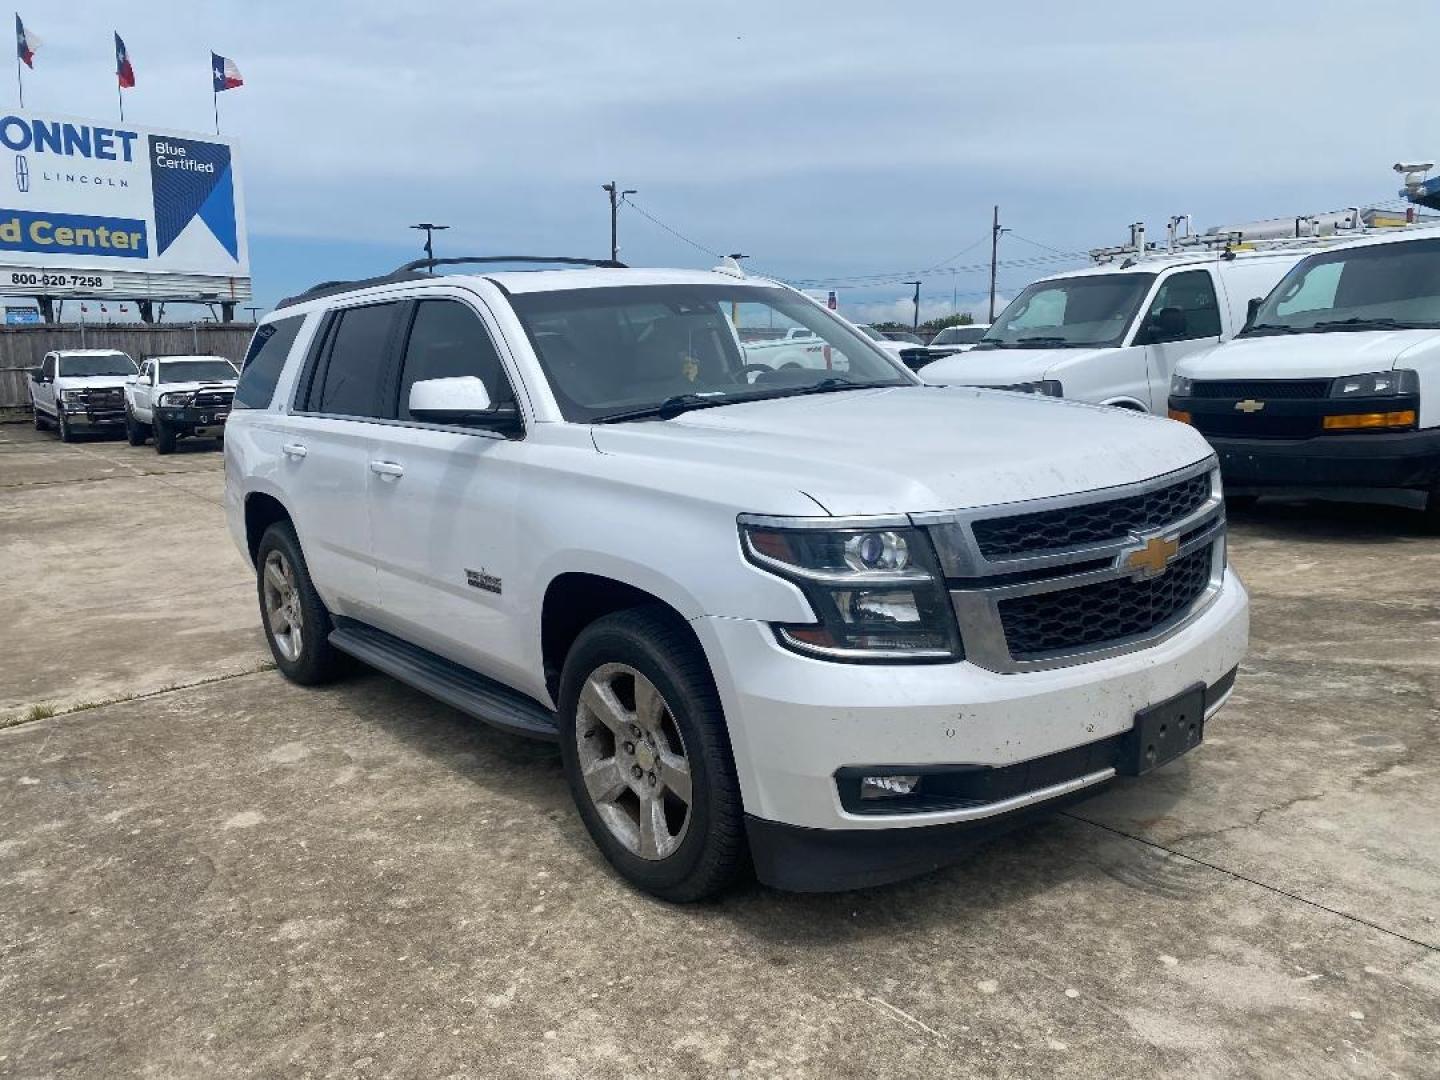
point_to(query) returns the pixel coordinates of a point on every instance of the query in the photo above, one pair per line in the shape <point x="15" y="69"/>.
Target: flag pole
<point x="215" y="95"/>
<point x="120" y="94"/>
<point x="20" y="79"/>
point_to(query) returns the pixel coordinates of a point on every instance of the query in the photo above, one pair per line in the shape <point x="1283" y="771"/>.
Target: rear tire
<point x="647" y="755"/>
<point x="41" y="424"/>
<point x="66" y="434"/>
<point x="297" y="624"/>
<point x="135" y="433"/>
<point x="164" y="437"/>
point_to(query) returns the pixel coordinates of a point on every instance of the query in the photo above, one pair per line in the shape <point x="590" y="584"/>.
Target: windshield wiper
<point x="1381" y="323"/>
<point x="1263" y="329"/>
<point x="668" y="409"/>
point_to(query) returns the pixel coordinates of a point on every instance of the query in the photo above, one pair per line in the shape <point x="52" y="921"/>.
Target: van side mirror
<point x="1251" y="310"/>
<point x="1167" y="324"/>
<point x="462" y="399"/>
<point x="38" y="374"/>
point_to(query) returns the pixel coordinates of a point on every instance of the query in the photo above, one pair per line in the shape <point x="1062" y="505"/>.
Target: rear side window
<point x="356" y="365"/>
<point x="447" y="339"/>
<point x="264" y="361"/>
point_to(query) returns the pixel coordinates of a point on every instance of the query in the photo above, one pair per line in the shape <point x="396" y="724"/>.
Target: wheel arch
<point x="1133" y="404"/>
<point x="262" y="511"/>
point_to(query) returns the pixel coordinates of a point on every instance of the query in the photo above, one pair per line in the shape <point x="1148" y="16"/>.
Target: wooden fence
<point x="23" y="347"/>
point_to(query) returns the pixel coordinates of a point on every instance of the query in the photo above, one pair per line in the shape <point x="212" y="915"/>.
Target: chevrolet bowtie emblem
<point x="1152" y="559"/>
<point x="1249" y="405"/>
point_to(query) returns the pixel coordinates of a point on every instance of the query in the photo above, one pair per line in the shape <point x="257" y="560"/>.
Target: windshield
<point x="871" y="333"/>
<point x="1381" y="286"/>
<point x="195" y="370"/>
<point x="609" y="352"/>
<point x="903" y="338"/>
<point x="115" y="363"/>
<point x="959" y="335"/>
<point x="1094" y="310"/>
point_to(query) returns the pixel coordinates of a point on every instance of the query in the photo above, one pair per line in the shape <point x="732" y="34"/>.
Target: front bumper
<point x="795" y="721"/>
<point x="77" y="417"/>
<point x="193" y="420"/>
<point x="1375" y="460"/>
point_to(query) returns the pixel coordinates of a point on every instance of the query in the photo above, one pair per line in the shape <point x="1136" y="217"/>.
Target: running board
<point x="457" y="686"/>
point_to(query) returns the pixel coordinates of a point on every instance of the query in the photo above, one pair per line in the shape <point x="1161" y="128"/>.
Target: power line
<point x="1047" y="247"/>
<point x="673" y="232"/>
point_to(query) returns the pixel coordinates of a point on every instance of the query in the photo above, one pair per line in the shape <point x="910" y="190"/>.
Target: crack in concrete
<point x="1275" y="889"/>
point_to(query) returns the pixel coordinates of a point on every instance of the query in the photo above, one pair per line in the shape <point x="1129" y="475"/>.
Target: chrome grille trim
<point x="976" y="602"/>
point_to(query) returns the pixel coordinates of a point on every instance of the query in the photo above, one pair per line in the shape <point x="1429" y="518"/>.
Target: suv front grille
<point x="1069" y="620"/>
<point x="1263" y="389"/>
<point x="1093" y="523"/>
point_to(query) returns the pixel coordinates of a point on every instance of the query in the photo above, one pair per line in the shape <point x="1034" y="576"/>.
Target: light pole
<point x="916" y="326"/>
<point x="613" y="189"/>
<point x="430" y="230"/>
<point x="995" y="233"/>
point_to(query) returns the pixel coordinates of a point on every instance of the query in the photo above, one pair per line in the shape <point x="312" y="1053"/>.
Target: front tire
<point x="41" y="424"/>
<point x="135" y="433"/>
<point x="297" y="624"/>
<point x="647" y="755"/>
<point x="67" y="434"/>
<point x="164" y="437"/>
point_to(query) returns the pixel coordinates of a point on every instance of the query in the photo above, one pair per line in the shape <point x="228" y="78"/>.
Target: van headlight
<point x="1377" y="384"/>
<point x="877" y="593"/>
<point x="1180" y="386"/>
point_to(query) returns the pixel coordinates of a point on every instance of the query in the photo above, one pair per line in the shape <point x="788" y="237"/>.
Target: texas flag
<point x="226" y="74"/>
<point x="25" y="43"/>
<point x="123" y="71"/>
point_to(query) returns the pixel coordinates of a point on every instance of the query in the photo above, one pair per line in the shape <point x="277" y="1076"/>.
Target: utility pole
<point x="616" y="195"/>
<point x="916" y="326"/>
<point x="430" y="230"/>
<point x="995" y="233"/>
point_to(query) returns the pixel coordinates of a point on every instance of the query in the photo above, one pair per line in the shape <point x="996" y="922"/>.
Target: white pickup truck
<point x="834" y="624"/>
<point x="175" y="397"/>
<point x="80" y="389"/>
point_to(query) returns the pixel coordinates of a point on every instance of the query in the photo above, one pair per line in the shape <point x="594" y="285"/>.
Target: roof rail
<point x="411" y="272"/>
<point x="430" y="264"/>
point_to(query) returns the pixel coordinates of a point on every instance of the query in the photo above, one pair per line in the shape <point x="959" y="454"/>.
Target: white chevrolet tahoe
<point x="832" y="625"/>
<point x="175" y="397"/>
<point x="1334" y="387"/>
<point x="80" y="389"/>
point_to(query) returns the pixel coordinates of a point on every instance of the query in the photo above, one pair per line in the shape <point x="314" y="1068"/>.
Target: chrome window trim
<point x="976" y="604"/>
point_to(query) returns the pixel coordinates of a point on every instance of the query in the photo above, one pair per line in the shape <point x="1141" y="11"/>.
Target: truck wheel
<point x="164" y="437"/>
<point x="297" y="625"/>
<point x="41" y="424"/>
<point x="1431" y="515"/>
<point x="66" y="434"/>
<point x="647" y="756"/>
<point x="134" y="430"/>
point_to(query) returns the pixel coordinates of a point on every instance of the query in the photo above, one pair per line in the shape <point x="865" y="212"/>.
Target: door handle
<point x="387" y="468"/>
<point x="294" y="450"/>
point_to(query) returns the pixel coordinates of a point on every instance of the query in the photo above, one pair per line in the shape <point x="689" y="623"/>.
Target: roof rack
<point x="411" y="272"/>
<point x="566" y="260"/>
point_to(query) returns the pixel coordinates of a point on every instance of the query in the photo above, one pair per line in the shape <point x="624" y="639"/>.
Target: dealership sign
<point x="89" y="196"/>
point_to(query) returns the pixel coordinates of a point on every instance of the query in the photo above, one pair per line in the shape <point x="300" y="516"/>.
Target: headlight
<point x="176" y="398"/>
<point x="1377" y="384"/>
<point x="1180" y="386"/>
<point x="877" y="593"/>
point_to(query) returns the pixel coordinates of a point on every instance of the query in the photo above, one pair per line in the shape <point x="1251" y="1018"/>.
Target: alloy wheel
<point x="284" y="616"/>
<point x="633" y="761"/>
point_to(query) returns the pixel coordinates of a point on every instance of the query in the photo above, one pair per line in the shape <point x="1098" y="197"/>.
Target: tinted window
<point x="103" y="364"/>
<point x="356" y="365"/>
<point x="1375" y="287"/>
<point x="1184" y="308"/>
<point x="1076" y="312"/>
<point x="264" y="361"/>
<point x="449" y="340"/>
<point x="195" y="370"/>
<point x="48" y="367"/>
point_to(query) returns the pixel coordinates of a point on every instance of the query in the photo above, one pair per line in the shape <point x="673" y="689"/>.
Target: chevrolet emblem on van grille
<point x="1151" y="560"/>
<point x="1249" y="405"/>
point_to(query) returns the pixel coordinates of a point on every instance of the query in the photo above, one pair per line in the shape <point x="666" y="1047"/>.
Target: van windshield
<point x="958" y="335"/>
<point x="634" y="352"/>
<point x="116" y="363"/>
<point x="1070" y="313"/>
<point x="1377" y="287"/>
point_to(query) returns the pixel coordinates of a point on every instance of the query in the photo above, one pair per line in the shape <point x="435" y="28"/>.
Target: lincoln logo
<point x="1249" y="405"/>
<point x="22" y="173"/>
<point x="1152" y="559"/>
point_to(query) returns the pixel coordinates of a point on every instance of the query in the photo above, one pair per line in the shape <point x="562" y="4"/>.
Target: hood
<point x="909" y="449"/>
<point x="217" y="384"/>
<point x="90" y="382"/>
<point x="1309" y="356"/>
<point x="1003" y="367"/>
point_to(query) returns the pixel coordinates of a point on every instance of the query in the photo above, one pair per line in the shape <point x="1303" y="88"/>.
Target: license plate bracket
<point x="1163" y="732"/>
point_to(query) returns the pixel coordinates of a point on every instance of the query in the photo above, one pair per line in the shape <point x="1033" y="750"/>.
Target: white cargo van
<point x="1334" y="387"/>
<point x="1112" y="334"/>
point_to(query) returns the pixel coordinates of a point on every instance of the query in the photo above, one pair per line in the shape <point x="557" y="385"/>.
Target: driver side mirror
<point x="1167" y="324"/>
<point x="1252" y="309"/>
<point x="38" y="374"/>
<point x="461" y="400"/>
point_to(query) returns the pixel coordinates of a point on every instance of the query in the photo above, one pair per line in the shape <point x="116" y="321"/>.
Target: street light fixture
<point x="430" y="230"/>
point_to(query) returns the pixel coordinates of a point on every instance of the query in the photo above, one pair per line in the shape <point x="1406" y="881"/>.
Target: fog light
<point x="887" y="787"/>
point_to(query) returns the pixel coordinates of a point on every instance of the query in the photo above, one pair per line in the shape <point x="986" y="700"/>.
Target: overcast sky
<point x="825" y="139"/>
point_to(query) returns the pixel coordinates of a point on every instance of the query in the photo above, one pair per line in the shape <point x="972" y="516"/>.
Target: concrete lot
<point x="221" y="874"/>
